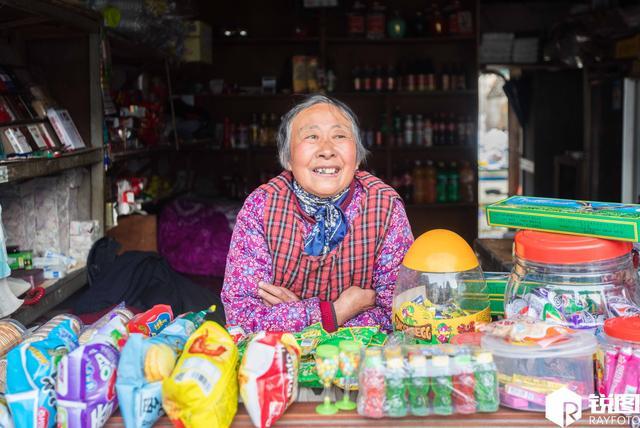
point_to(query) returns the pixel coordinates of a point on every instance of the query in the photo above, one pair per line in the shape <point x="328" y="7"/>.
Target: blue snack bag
<point x="31" y="377"/>
<point x="144" y="362"/>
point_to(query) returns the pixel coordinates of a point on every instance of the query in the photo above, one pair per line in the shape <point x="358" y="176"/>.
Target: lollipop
<point x="349" y="360"/>
<point x="327" y="368"/>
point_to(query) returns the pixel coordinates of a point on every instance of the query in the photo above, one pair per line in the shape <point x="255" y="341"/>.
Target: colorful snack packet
<point x="31" y="373"/>
<point x="105" y="325"/>
<point x="144" y="364"/>
<point x="85" y="386"/>
<point x="152" y="321"/>
<point x="202" y="391"/>
<point x="268" y="376"/>
<point x="617" y="381"/>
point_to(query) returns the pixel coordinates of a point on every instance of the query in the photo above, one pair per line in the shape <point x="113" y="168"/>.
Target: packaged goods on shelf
<point x="608" y="220"/>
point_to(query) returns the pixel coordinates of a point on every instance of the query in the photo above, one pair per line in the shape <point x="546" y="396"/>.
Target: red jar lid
<point x="555" y="248"/>
<point x="623" y="328"/>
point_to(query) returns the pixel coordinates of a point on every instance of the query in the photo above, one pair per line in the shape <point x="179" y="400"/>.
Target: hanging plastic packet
<point x="268" y="376"/>
<point x="31" y="374"/>
<point x="152" y="321"/>
<point x="203" y="388"/>
<point x="145" y="363"/>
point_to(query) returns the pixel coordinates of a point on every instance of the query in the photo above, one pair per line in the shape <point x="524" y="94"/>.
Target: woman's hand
<point x="272" y="295"/>
<point x="353" y="301"/>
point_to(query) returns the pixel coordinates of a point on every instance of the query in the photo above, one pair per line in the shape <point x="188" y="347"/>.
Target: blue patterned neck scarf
<point x="331" y="223"/>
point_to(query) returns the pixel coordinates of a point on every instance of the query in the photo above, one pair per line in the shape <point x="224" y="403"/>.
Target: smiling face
<point x="323" y="150"/>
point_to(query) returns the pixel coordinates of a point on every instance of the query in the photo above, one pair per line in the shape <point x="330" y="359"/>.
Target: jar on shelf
<point x="576" y="281"/>
<point x="619" y="352"/>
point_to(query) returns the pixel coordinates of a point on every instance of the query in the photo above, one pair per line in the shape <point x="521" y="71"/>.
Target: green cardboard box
<point x="20" y="260"/>
<point x="496" y="284"/>
<point x="606" y="220"/>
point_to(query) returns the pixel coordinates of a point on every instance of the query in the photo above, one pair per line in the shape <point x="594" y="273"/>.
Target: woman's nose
<point x="326" y="149"/>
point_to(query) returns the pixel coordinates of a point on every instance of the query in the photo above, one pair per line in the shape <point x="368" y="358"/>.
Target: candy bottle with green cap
<point x="418" y="383"/>
<point x="395" y="375"/>
<point x="441" y="384"/>
<point x="348" y="361"/>
<point x="371" y="393"/>
<point x="327" y="368"/>
<point x="486" y="387"/>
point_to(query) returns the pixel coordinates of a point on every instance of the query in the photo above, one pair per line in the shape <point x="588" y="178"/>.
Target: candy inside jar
<point x="569" y="280"/>
<point x="440" y="290"/>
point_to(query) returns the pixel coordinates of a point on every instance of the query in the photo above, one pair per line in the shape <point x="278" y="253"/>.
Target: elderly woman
<point x="321" y="242"/>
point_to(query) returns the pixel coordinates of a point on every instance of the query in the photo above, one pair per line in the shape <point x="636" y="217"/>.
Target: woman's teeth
<point x="326" y="170"/>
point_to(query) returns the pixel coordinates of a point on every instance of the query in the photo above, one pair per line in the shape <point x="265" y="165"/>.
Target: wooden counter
<point x="304" y="415"/>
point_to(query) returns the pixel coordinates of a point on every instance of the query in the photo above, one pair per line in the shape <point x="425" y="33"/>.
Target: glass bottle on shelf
<point x="410" y="79"/>
<point x="445" y="79"/>
<point x="407" y="186"/>
<point x="384" y="131"/>
<point x="452" y="21"/>
<point x="418" y="183"/>
<point x="367" y="79"/>
<point x="428" y="132"/>
<point x="453" y="188"/>
<point x="467" y="184"/>
<point x="397" y="127"/>
<point x="436" y="27"/>
<point x="430" y="179"/>
<point x="391" y="78"/>
<point x="461" y="131"/>
<point x="375" y="21"/>
<point x="243" y="136"/>
<point x="357" y="79"/>
<point x="421" y="84"/>
<point x="254" y="130"/>
<point x="451" y="130"/>
<point x="461" y="81"/>
<point x="470" y="137"/>
<point x="379" y="79"/>
<point x="418" y="27"/>
<point x="396" y="27"/>
<point x="442" y="179"/>
<point x="431" y="77"/>
<point x="408" y="130"/>
<point x="264" y="130"/>
<point x="356" y="20"/>
<point x="418" y="137"/>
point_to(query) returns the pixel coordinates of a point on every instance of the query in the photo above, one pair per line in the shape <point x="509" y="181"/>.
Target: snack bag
<point x="31" y="373"/>
<point x="202" y="391"/>
<point x="152" y="321"/>
<point x="85" y="386"/>
<point x="144" y="364"/>
<point x="268" y="376"/>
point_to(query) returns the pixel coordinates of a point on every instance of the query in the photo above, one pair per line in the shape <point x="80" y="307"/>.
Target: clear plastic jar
<point x="571" y="280"/>
<point x="618" y="356"/>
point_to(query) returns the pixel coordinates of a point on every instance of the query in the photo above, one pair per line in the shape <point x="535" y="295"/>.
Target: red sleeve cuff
<point x="328" y="316"/>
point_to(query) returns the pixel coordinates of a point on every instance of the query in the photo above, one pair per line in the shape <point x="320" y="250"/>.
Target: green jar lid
<point x="327" y="351"/>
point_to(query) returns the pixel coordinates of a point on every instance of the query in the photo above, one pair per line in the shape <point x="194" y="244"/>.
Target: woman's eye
<point x="311" y="137"/>
<point x="340" y="136"/>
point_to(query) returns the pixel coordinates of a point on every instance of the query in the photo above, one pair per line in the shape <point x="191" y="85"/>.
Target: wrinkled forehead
<point x="321" y="115"/>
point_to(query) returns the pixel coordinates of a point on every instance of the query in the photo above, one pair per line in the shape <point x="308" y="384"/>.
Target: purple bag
<point x="194" y="237"/>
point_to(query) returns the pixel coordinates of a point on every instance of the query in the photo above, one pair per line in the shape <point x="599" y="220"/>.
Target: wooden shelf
<point x="139" y="153"/>
<point x="350" y="94"/>
<point x="56" y="292"/>
<point x="21" y="169"/>
<point x="249" y="41"/>
<point x="25" y="122"/>
<point x="403" y="41"/>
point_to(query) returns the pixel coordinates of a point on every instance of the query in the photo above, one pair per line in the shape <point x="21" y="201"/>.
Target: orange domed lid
<point x="555" y="248"/>
<point x="623" y="328"/>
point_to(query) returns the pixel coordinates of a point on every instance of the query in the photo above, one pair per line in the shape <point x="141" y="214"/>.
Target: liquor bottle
<point x="384" y="131"/>
<point x="407" y="184"/>
<point x="410" y="79"/>
<point x="442" y="179"/>
<point x="396" y="27"/>
<point x="418" y="28"/>
<point x="391" y="78"/>
<point x="451" y="130"/>
<point x="467" y="184"/>
<point x="356" y="20"/>
<point x="461" y="132"/>
<point x="453" y="187"/>
<point x="470" y="137"/>
<point x="436" y="21"/>
<point x="379" y="79"/>
<point x="461" y="78"/>
<point x="243" y="136"/>
<point x="357" y="79"/>
<point x="254" y="129"/>
<point x="421" y="76"/>
<point x="431" y="77"/>
<point x="430" y="177"/>
<point x="419" y="184"/>
<point x="397" y="127"/>
<point x="273" y="129"/>
<point x="264" y="130"/>
<point x="408" y="130"/>
<point x="376" y="21"/>
<point x="452" y="21"/>
<point x="436" y="131"/>
<point x="428" y="132"/>
<point x="445" y="79"/>
<point x="367" y="79"/>
<point x="418" y="137"/>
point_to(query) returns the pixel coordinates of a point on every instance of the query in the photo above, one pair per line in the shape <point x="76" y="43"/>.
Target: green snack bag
<point x="378" y="339"/>
<point x="307" y="375"/>
<point x="442" y="385"/>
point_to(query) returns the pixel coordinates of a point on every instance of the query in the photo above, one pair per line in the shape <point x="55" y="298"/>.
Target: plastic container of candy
<point x="421" y="380"/>
<point x="440" y="290"/>
<point x="618" y="357"/>
<point x="574" y="281"/>
<point x="529" y="371"/>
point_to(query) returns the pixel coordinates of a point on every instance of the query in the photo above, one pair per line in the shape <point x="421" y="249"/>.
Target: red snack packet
<point x="268" y="376"/>
<point x="152" y="321"/>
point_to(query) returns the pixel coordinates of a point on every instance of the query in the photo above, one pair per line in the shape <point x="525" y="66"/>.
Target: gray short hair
<point x="284" y="131"/>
